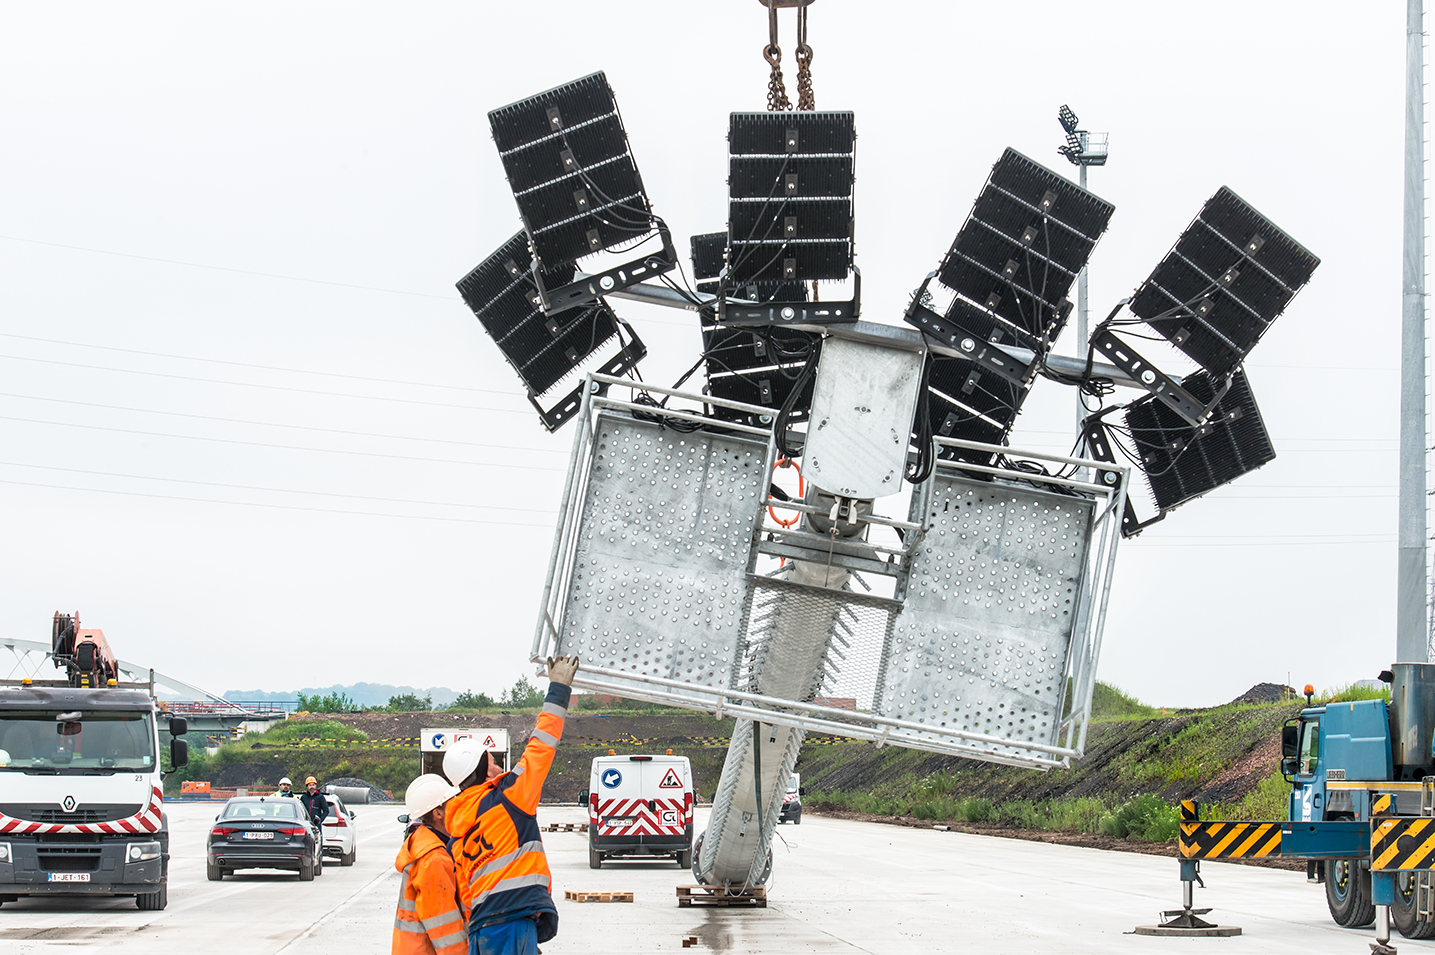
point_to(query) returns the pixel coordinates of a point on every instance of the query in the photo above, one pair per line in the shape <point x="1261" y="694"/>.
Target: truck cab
<point x="81" y="797"/>
<point x="1337" y="755"/>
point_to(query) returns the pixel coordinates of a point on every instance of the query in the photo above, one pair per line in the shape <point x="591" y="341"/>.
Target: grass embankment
<point x="1139" y="764"/>
<point x="261" y="759"/>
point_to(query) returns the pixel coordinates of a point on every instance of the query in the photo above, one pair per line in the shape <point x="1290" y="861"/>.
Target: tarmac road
<point x="837" y="886"/>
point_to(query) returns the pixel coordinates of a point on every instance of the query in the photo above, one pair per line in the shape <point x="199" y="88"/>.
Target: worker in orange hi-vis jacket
<point x="430" y="919"/>
<point x="503" y="874"/>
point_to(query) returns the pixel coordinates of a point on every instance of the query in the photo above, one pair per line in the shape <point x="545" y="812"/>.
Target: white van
<point x="640" y="806"/>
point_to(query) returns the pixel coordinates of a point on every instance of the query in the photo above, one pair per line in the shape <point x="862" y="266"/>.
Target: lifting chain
<point x="776" y="89"/>
<point x="805" y="99"/>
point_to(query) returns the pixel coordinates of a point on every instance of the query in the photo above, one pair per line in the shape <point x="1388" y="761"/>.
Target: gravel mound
<point x="1267" y="693"/>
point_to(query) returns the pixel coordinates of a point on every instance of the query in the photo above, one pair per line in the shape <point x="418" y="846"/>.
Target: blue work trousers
<point x="519" y="937"/>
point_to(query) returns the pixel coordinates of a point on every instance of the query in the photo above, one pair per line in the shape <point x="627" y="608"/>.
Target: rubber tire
<point x="306" y="873"/>
<point x="214" y="873"/>
<point x="153" y="901"/>
<point x="1350" y="903"/>
<point x="319" y="865"/>
<point x="685" y="859"/>
<point x="1402" y="913"/>
<point x="347" y="860"/>
<point x="797" y="820"/>
<point x="595" y="861"/>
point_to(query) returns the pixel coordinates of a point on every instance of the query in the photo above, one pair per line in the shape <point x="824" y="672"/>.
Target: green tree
<point x="522" y="694"/>
<point x="332" y="703"/>
<point x="469" y="700"/>
<point x="409" y="702"/>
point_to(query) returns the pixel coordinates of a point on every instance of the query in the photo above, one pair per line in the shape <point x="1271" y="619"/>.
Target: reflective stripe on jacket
<point x="429" y="920"/>
<point x="503" y="873"/>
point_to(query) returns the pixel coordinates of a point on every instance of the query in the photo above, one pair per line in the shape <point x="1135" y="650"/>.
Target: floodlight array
<point x="790" y="178"/>
<point x="1229" y="276"/>
<point x="566" y="155"/>
<point x="543" y="349"/>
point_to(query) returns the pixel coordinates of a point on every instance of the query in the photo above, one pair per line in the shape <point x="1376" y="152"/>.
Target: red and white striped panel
<point x="646" y="821"/>
<point x="146" y="820"/>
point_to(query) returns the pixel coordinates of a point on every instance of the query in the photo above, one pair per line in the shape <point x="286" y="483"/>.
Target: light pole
<point x="1083" y="149"/>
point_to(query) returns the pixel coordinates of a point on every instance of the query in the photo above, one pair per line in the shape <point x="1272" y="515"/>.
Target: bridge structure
<point x="205" y="712"/>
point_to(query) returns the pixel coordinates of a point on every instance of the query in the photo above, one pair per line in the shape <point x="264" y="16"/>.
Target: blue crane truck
<point x="1361" y="809"/>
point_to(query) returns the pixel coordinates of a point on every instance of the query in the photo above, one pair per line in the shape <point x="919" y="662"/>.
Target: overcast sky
<point x="248" y="428"/>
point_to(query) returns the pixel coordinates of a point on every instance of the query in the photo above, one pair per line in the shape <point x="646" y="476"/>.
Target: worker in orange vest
<point x="430" y="918"/>
<point x="503" y="874"/>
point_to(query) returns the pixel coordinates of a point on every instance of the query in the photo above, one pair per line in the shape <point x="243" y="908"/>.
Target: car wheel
<point x="797" y="819"/>
<point x="595" y="860"/>
<point x="153" y="901"/>
<point x="214" y="872"/>
<point x="319" y="866"/>
<point x="348" y="858"/>
<point x="306" y="873"/>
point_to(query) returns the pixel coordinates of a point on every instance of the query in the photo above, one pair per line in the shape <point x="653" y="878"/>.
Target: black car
<point x="264" y="832"/>
<point x="791" y="807"/>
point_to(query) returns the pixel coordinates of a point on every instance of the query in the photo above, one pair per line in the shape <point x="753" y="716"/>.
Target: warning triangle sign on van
<point x="488" y="742"/>
<point x="671" y="780"/>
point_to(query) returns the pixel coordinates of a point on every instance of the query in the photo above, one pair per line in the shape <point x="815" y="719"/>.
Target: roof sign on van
<point x="671" y="780"/>
<point x="611" y="778"/>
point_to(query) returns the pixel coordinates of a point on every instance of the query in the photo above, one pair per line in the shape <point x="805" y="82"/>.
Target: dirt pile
<point x="1267" y="693"/>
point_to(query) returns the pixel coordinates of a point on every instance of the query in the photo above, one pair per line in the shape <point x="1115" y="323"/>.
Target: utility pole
<point x="1411" y="624"/>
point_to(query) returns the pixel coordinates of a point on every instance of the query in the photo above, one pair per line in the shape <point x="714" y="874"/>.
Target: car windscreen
<point x="269" y="809"/>
<point x="76" y="741"/>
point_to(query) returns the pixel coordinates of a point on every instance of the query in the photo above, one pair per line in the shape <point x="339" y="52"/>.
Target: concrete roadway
<point x="837" y="887"/>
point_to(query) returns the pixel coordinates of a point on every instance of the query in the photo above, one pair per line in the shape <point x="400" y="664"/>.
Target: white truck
<point x="640" y="806"/>
<point x="81" y="792"/>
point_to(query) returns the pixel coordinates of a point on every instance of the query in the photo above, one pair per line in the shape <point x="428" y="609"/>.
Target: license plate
<point x="69" y="877"/>
<point x="619" y="820"/>
<point x="259" y="835"/>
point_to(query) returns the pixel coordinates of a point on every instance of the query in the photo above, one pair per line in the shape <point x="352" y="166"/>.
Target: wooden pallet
<point x="572" y="896"/>
<point x="566" y="827"/>
<point x="717" y="895"/>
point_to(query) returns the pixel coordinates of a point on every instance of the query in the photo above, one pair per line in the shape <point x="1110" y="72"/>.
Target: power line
<point x="285" y="447"/>
<point x="283" y="507"/>
<point x="244" y="364"/>
<point x="225" y="268"/>
<point x="275" y="490"/>
<point x="250" y="384"/>
<point x="274" y="424"/>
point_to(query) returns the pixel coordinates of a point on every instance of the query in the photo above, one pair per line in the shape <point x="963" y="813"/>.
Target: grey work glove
<point x="561" y="669"/>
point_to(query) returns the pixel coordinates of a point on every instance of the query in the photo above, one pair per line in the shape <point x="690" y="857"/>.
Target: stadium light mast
<point x="1412" y="631"/>
<point x="1083" y="149"/>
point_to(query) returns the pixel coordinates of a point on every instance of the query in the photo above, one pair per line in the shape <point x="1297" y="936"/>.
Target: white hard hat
<point x="461" y="759"/>
<point x="4" y="758"/>
<point x="427" y="793"/>
<point x="286" y="779"/>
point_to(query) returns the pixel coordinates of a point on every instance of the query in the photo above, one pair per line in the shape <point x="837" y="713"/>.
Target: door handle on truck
<point x="652" y="805"/>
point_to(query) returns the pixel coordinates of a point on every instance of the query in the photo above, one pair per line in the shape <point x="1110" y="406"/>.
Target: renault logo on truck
<point x="69" y="804"/>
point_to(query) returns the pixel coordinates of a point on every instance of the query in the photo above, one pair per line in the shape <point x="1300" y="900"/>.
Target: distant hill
<point x="364" y="694"/>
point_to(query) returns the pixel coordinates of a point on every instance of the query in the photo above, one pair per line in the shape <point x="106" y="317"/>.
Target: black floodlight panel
<point x="1231" y="273"/>
<point x="1182" y="462"/>
<point x="1029" y="234"/>
<point x="568" y="162"/>
<point x="541" y="349"/>
<point x="708" y="252"/>
<point x="983" y="391"/>
<point x="952" y="420"/>
<point x="757" y="367"/>
<point x="790" y="179"/>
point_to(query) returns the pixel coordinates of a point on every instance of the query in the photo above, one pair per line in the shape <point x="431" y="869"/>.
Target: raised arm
<point x="532" y="769"/>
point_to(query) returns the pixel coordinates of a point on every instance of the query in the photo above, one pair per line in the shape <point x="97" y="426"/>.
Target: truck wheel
<point x="214" y="872"/>
<point x="595" y="861"/>
<point x="1402" y="913"/>
<point x="685" y="859"/>
<point x="1347" y="893"/>
<point x="154" y="901"/>
<point x="306" y="873"/>
<point x="797" y="819"/>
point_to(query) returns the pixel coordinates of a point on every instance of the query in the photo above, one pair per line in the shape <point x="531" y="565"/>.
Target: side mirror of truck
<point x="1290" y="740"/>
<point x="1289" y="765"/>
<point x="802" y="790"/>
<point x="583" y="797"/>
<point x="178" y="726"/>
<point x="178" y="753"/>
